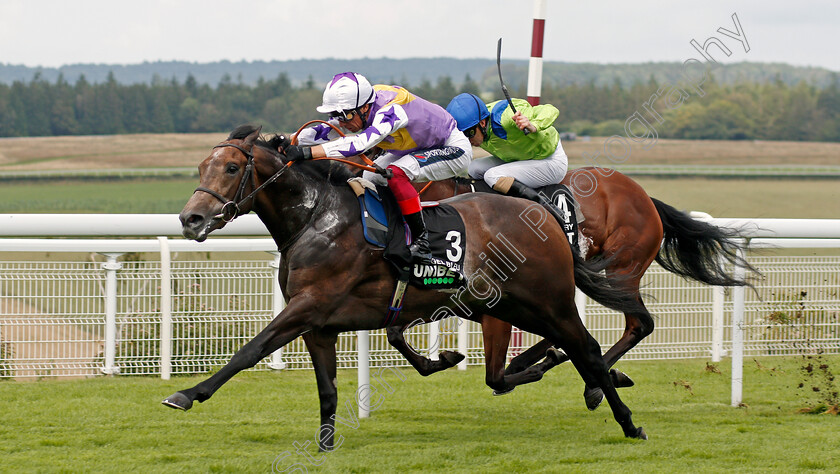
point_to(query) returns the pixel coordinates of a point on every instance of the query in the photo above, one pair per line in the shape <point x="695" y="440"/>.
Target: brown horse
<point x="625" y="226"/>
<point x="335" y="282"/>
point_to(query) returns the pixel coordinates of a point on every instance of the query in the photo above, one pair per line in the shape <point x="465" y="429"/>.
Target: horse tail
<point x="698" y="250"/>
<point x="608" y="292"/>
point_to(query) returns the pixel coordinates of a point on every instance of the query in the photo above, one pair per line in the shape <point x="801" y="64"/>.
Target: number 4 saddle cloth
<point x="384" y="227"/>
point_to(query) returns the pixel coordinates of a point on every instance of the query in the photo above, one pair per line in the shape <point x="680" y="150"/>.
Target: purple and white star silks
<point x="370" y="132"/>
<point x="389" y="116"/>
<point x="322" y="132"/>
<point x="351" y="151"/>
<point x="385" y="122"/>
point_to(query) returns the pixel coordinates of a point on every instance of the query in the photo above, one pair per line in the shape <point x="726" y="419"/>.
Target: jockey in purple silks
<point x="420" y="139"/>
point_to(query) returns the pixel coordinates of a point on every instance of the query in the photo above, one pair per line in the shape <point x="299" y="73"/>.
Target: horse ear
<point x="252" y="138"/>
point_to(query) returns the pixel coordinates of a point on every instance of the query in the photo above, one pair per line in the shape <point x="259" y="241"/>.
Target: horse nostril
<point x="194" y="220"/>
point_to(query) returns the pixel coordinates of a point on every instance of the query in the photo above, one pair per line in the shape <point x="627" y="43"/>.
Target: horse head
<point x="228" y="183"/>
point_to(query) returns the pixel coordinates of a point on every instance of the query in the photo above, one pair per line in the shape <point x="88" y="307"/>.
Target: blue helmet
<point x="468" y="110"/>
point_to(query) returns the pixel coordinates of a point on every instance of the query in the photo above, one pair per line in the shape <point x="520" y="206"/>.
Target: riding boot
<point x="518" y="189"/>
<point x="419" y="248"/>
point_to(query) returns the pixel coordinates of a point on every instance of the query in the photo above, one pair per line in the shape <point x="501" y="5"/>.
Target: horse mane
<point x="330" y="171"/>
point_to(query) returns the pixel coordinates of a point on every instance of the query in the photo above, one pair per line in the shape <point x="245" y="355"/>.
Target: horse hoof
<point x="179" y="401"/>
<point x="554" y="355"/>
<point x="620" y="379"/>
<point x="499" y="393"/>
<point x="639" y="434"/>
<point x="452" y="358"/>
<point x="593" y="397"/>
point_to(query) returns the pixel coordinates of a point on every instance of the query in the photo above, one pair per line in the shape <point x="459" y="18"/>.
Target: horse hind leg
<point x="600" y="376"/>
<point x="321" y="349"/>
<point x="535" y="372"/>
<point x="523" y="368"/>
<point x="423" y="365"/>
<point x="528" y="358"/>
<point x="585" y="353"/>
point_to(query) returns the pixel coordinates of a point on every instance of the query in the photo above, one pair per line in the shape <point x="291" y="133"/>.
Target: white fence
<point x="144" y="306"/>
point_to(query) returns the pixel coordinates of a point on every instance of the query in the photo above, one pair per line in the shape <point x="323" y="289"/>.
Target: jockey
<point x="519" y="162"/>
<point x="421" y="142"/>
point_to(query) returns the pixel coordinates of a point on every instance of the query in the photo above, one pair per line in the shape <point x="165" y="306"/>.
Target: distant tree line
<point x="745" y="110"/>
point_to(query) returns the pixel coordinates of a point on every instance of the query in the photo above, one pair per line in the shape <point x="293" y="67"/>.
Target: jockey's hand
<point x="522" y="122"/>
<point x="283" y="142"/>
<point x="297" y="153"/>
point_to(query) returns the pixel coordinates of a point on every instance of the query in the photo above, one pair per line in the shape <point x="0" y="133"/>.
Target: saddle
<point x="559" y="195"/>
<point x="385" y="228"/>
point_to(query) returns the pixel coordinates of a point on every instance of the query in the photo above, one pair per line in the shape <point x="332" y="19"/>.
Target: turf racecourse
<point x="448" y="422"/>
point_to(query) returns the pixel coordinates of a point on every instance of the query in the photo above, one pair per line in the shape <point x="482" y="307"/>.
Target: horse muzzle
<point x="197" y="227"/>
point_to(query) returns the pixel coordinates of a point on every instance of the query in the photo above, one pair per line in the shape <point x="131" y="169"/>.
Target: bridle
<point x="231" y="208"/>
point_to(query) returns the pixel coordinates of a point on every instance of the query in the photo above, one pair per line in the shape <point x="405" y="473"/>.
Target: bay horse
<point x="334" y="281"/>
<point x="628" y="228"/>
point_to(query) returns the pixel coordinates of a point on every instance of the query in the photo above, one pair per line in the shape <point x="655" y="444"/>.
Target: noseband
<point x="231" y="207"/>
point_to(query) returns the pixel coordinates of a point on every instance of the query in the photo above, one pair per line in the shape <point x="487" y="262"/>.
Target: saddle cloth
<point x="384" y="227"/>
<point x="560" y="195"/>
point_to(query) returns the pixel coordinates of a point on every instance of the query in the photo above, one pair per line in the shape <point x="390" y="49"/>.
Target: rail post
<point x="718" y="296"/>
<point x="363" y="349"/>
<point x="434" y="340"/>
<point x="738" y="309"/>
<point x="535" y="65"/>
<point x="165" y="309"/>
<point x="111" y="266"/>
<point x="278" y="303"/>
<point x="463" y="342"/>
<point x="580" y="302"/>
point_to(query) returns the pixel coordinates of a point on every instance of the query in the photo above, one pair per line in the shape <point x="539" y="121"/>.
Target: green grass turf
<point x="448" y="422"/>
<point x="145" y="196"/>
<point x="719" y="197"/>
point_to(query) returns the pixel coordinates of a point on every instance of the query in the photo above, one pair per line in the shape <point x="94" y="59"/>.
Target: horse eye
<point x="231" y="169"/>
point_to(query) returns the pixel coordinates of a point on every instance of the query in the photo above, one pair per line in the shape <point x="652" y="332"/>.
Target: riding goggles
<point x="343" y="115"/>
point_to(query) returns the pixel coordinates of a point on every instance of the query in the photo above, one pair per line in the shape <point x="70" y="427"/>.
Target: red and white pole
<point x="535" y="66"/>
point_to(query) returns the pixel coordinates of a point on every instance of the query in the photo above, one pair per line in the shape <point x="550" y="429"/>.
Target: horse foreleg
<point x="284" y="328"/>
<point x="321" y="349"/>
<point x="585" y="353"/>
<point x="423" y="365"/>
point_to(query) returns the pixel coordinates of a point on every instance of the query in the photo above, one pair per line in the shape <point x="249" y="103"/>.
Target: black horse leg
<point x="321" y="348"/>
<point x="496" y="335"/>
<point x="553" y="358"/>
<point x="530" y="357"/>
<point x="585" y="353"/>
<point x="423" y="365"/>
<point x="288" y="325"/>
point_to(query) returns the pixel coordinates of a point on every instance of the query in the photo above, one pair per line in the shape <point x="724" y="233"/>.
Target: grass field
<point x="719" y="197"/>
<point x="794" y="198"/>
<point x="145" y="196"/>
<point x="445" y="423"/>
<point x="106" y="151"/>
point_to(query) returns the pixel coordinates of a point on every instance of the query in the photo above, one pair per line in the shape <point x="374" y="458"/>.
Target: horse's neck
<point x="299" y="204"/>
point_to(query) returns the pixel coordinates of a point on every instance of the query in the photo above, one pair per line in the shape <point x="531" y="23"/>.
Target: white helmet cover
<point x="346" y="91"/>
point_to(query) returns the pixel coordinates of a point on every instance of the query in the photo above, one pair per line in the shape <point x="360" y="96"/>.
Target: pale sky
<point x="52" y="33"/>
